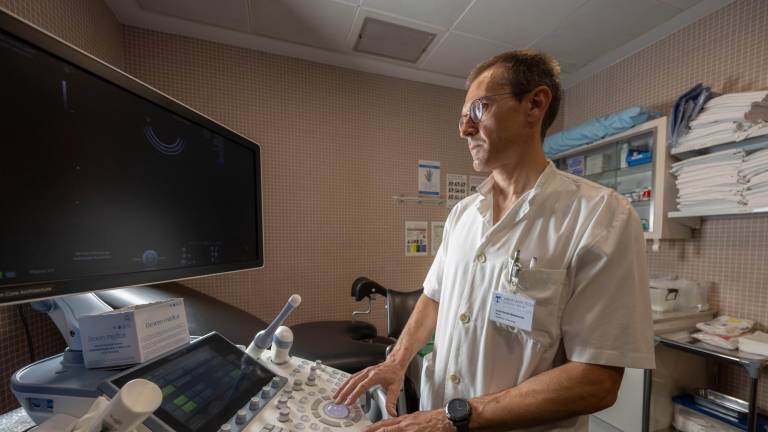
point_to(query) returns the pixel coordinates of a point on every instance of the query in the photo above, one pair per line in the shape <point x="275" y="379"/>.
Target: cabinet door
<point x="627" y="413"/>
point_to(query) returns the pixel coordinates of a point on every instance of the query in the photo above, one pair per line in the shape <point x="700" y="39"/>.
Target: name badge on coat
<point x="512" y="310"/>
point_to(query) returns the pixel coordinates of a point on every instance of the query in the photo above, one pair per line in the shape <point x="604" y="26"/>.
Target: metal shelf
<point x="752" y="363"/>
<point x="680" y="214"/>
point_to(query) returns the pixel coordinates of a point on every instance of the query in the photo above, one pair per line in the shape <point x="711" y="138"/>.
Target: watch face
<point x="458" y="409"/>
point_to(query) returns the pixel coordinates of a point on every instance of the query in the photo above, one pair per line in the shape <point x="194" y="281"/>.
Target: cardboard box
<point x="133" y="334"/>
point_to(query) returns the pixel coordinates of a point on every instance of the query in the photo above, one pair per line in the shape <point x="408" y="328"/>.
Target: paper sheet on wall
<point x="474" y="182"/>
<point x="429" y="178"/>
<point x="415" y="238"/>
<point x="437" y="236"/>
<point x="456" y="189"/>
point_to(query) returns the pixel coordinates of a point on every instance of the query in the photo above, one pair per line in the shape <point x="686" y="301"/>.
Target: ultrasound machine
<point x="108" y="183"/>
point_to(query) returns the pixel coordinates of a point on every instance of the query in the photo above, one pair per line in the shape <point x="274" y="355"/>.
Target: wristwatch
<point x="458" y="411"/>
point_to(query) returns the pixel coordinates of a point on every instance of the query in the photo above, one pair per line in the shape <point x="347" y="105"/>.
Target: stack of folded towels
<point x="723" y="331"/>
<point x="711" y="183"/>
<point x="728" y="118"/>
<point x="754" y="171"/>
<point x="727" y="181"/>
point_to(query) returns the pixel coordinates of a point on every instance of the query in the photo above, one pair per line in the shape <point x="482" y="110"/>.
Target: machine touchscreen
<point x="202" y="384"/>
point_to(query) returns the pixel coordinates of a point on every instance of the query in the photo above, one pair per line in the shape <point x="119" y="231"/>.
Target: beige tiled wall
<point x="90" y="26"/>
<point x="337" y="145"/>
<point x="727" y="50"/>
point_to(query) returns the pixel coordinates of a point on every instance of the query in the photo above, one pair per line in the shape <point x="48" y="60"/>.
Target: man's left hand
<point x="421" y="421"/>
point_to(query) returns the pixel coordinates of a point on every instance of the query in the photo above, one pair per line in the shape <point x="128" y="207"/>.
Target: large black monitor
<point x="106" y="182"/>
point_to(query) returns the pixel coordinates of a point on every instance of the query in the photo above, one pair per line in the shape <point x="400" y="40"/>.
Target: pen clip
<point x="514" y="268"/>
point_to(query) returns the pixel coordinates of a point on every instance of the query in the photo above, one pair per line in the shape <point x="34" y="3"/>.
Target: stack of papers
<point x="754" y="171"/>
<point x="711" y="183"/>
<point x="728" y="118"/>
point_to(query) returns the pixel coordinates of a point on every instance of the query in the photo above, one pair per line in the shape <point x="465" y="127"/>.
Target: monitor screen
<point x="107" y="182"/>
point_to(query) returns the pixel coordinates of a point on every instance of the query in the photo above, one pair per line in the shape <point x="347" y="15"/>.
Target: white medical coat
<point x="590" y="284"/>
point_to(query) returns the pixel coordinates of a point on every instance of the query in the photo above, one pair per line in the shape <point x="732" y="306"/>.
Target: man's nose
<point x="467" y="127"/>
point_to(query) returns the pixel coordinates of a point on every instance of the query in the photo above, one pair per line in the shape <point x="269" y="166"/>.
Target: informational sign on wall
<point x="456" y="190"/>
<point x="415" y="238"/>
<point x="437" y="236"/>
<point x="474" y="182"/>
<point x="429" y="178"/>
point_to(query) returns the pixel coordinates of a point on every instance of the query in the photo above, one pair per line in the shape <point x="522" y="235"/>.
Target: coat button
<point x="464" y="318"/>
<point x="481" y="258"/>
<point x="455" y="379"/>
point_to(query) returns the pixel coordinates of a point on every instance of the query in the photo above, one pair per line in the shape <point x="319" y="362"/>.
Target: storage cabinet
<point x="636" y="164"/>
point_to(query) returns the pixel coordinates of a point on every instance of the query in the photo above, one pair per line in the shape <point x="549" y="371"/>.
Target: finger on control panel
<point x="352" y="384"/>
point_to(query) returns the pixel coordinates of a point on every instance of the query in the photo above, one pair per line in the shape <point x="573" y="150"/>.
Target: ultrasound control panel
<point x="211" y="385"/>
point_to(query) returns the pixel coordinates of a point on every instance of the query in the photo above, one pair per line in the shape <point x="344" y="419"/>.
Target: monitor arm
<point x="65" y="312"/>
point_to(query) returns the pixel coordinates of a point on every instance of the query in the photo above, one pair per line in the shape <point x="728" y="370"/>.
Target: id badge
<point x="512" y="310"/>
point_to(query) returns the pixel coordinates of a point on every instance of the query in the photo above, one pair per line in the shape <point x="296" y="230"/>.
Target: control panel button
<point x="275" y="383"/>
<point x="297" y="384"/>
<point x="336" y="411"/>
<point x="330" y="422"/>
<point x="225" y="428"/>
<point x="266" y="393"/>
<point x="254" y="404"/>
<point x="282" y="402"/>
<point x="241" y="417"/>
<point x="284" y="416"/>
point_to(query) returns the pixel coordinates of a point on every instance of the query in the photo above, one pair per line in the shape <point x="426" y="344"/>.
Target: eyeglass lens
<point x="475" y="112"/>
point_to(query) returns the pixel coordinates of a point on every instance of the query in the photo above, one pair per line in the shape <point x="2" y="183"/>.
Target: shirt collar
<point x="483" y="205"/>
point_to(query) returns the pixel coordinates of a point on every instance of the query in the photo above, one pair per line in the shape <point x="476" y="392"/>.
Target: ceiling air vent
<point x="394" y="41"/>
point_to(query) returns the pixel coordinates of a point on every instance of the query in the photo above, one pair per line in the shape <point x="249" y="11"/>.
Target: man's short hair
<point x="525" y="70"/>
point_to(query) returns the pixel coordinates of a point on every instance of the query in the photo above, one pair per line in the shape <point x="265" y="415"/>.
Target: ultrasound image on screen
<point x="96" y="180"/>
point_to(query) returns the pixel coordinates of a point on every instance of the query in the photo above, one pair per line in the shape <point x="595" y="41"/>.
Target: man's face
<point x="497" y="138"/>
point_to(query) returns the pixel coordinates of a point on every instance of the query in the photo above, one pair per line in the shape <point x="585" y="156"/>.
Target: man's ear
<point x="538" y="102"/>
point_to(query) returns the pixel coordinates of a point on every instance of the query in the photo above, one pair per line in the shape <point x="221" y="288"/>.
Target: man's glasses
<point x="477" y="108"/>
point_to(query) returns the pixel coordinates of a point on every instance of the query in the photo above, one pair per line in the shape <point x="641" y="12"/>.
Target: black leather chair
<point x="356" y="345"/>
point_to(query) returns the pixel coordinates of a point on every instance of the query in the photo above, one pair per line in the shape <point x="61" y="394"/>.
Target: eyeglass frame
<point x="479" y="102"/>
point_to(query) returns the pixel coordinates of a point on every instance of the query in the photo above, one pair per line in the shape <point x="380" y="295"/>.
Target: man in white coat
<point x="538" y="297"/>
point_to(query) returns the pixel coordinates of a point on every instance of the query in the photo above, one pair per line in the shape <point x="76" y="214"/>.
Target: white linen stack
<point x="728" y="118"/>
<point x="727" y="181"/>
<point x="711" y="183"/>
<point x="754" y="170"/>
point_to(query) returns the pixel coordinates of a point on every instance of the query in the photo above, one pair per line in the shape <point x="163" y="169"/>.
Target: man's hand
<point x="388" y="375"/>
<point x="421" y="421"/>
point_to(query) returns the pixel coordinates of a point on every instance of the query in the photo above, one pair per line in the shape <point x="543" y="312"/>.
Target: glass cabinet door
<point x="625" y="166"/>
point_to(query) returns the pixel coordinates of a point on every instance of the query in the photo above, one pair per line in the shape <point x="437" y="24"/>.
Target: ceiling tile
<point x="441" y="13"/>
<point x="459" y="53"/>
<point x="319" y="23"/>
<point x="518" y="22"/>
<point x="229" y="14"/>
<point x="602" y="26"/>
